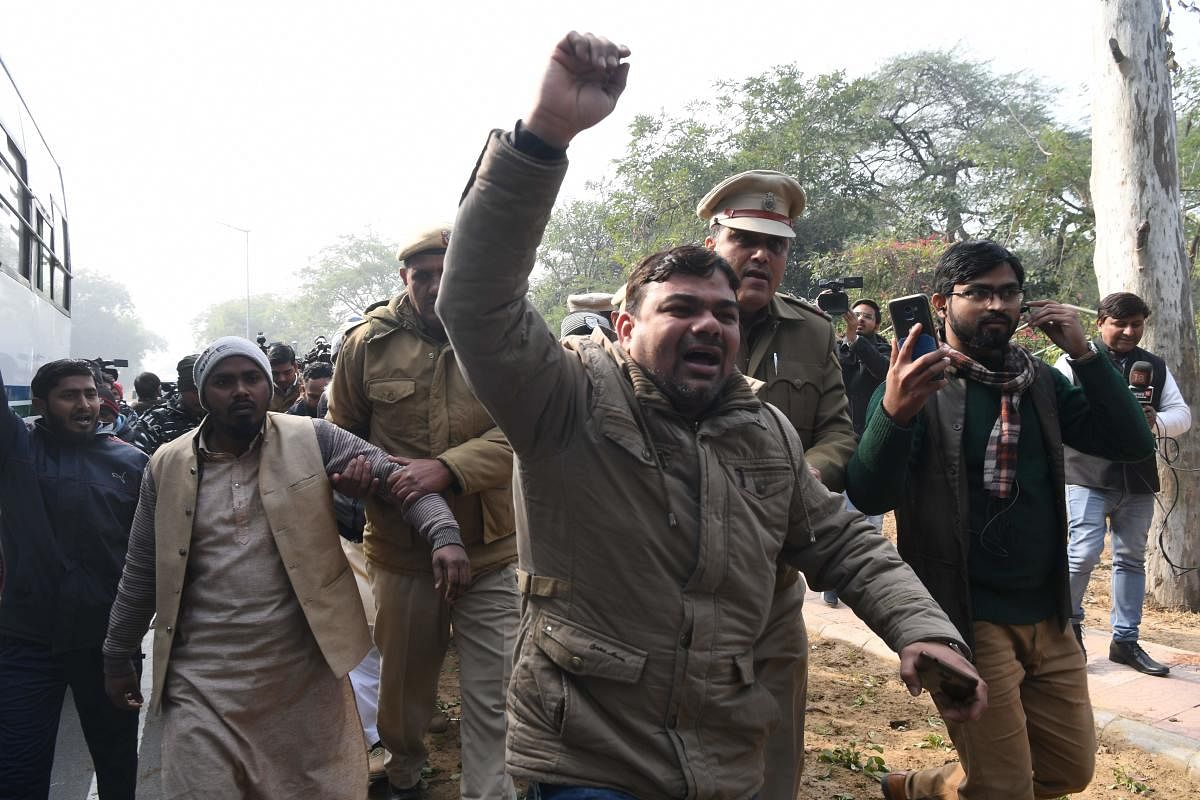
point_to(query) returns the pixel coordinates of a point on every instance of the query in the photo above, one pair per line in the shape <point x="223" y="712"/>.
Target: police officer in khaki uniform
<point x="788" y="344"/>
<point x="398" y="385"/>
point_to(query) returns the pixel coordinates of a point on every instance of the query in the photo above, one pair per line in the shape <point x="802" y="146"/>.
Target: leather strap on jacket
<point x="541" y="585"/>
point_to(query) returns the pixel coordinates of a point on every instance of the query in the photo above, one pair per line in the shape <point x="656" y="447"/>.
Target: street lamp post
<point x="246" y="233"/>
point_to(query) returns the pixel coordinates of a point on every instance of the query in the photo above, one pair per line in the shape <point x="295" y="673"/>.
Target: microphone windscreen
<point x="1139" y="373"/>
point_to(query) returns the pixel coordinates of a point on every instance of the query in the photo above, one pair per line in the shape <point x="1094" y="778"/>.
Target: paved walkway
<point x="1158" y="715"/>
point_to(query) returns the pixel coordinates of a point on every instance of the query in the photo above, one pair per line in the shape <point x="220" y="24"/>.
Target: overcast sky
<point x="302" y="120"/>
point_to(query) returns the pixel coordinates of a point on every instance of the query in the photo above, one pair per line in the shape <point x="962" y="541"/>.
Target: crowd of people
<point x="615" y="524"/>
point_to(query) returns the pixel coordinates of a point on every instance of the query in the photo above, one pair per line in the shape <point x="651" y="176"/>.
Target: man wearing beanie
<point x="258" y="616"/>
<point x="398" y="385"/>
<point x="178" y="415"/>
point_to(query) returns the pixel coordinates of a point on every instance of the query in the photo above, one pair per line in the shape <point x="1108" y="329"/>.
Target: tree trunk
<point x="1140" y="249"/>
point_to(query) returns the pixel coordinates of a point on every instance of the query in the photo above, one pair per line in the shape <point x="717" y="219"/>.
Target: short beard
<point x="687" y="399"/>
<point x="59" y="431"/>
<point x="979" y="340"/>
<point x="244" y="430"/>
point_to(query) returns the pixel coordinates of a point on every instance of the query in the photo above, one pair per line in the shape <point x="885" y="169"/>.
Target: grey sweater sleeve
<point x="133" y="608"/>
<point x="429" y="516"/>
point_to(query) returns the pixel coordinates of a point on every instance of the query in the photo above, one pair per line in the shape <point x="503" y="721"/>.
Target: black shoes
<point x="1132" y="654"/>
<point x="1079" y="638"/>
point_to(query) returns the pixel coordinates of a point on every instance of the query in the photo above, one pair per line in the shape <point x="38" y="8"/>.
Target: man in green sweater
<point x="965" y="444"/>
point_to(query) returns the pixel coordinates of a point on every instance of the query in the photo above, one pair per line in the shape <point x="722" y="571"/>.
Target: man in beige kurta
<point x="235" y="546"/>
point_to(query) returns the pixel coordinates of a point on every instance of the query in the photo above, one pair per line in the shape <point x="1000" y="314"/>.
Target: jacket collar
<point x="736" y="394"/>
<point x="397" y="315"/>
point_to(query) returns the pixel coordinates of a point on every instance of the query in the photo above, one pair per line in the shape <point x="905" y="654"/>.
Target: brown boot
<point x="892" y="786"/>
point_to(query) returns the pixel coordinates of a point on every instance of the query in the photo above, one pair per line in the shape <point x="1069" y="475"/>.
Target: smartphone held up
<point x="908" y="311"/>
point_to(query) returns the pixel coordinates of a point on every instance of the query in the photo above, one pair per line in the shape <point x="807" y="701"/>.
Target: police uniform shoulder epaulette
<point x="801" y="303"/>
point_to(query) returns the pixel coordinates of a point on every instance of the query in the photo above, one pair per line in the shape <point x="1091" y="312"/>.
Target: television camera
<point x="834" y="301"/>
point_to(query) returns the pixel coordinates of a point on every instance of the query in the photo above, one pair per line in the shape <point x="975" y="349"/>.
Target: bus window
<point x="11" y="200"/>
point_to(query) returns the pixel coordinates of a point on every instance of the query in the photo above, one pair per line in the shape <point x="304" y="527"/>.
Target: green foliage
<point x="935" y="741"/>
<point x="576" y="255"/>
<point x="271" y="314"/>
<point x="104" y="322"/>
<point x="889" y="268"/>
<point x="1123" y="780"/>
<point x="344" y="278"/>
<point x="853" y="758"/>
<point x="930" y="148"/>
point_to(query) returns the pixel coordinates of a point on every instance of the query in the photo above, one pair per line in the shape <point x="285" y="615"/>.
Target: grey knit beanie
<point x="222" y="349"/>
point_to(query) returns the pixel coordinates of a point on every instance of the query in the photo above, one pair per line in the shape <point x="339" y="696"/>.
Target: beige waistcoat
<point x="297" y="498"/>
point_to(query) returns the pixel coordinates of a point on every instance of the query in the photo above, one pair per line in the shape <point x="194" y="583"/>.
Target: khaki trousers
<point x="1037" y="738"/>
<point x="412" y="630"/>
<point x="781" y="665"/>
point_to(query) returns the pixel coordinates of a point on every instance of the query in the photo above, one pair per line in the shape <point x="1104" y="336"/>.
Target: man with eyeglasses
<point x="966" y="445"/>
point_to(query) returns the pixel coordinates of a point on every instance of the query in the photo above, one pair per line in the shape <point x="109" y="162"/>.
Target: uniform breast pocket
<point x="798" y="399"/>
<point x="397" y="409"/>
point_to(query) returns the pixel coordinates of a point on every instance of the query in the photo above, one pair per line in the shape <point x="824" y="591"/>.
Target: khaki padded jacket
<point x="403" y="392"/>
<point x="647" y="542"/>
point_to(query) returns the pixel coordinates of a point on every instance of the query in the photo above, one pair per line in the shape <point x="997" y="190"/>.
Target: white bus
<point x="35" y="255"/>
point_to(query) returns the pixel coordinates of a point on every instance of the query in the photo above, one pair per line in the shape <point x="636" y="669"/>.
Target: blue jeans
<point x="33" y="682"/>
<point x="1091" y="512"/>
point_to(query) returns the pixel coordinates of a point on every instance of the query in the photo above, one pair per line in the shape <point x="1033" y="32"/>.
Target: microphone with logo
<point x="1139" y="382"/>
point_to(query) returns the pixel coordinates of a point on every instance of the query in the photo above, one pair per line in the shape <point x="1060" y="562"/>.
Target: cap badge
<point x="768" y="203"/>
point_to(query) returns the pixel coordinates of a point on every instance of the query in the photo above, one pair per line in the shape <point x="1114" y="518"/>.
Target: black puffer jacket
<point x="162" y="424"/>
<point x="67" y="511"/>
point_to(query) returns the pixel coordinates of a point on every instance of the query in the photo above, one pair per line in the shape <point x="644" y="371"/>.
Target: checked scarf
<point x="1000" y="463"/>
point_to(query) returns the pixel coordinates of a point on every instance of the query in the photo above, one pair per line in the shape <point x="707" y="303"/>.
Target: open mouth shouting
<point x="703" y="360"/>
<point x="82" y="421"/>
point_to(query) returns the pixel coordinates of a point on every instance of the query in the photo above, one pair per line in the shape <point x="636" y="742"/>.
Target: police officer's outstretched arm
<point x="533" y="389"/>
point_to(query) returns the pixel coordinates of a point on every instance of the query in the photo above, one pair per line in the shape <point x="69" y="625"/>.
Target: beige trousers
<point x="1037" y="738"/>
<point x="412" y="630"/>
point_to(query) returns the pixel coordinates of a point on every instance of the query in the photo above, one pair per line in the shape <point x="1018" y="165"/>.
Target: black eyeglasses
<point x="984" y="294"/>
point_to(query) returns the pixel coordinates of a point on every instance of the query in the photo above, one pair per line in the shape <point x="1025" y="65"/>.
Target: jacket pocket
<point x="762" y="482"/>
<point x="498" y="519"/>
<point x="580" y="651"/>
<point x="762" y="492"/>
<point x="399" y="414"/>
<point x="739" y="704"/>
<point x="390" y="390"/>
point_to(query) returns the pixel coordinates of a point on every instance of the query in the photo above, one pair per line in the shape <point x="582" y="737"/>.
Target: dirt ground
<point x="861" y="719"/>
